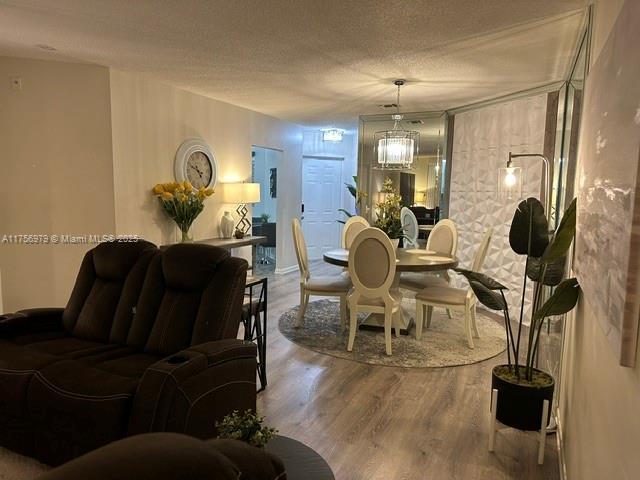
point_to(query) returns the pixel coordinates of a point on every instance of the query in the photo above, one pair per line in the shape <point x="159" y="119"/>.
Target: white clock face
<point x="198" y="170"/>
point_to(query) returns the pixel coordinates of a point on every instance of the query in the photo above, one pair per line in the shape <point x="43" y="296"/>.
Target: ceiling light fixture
<point x="332" y="134"/>
<point x="397" y="148"/>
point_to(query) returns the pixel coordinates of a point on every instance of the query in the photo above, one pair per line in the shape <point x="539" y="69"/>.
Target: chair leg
<point x="476" y="333"/>
<point x="419" y="319"/>
<point x="388" y="317"/>
<point x="429" y="315"/>
<point x="397" y="321"/>
<point x="467" y="327"/>
<point x="304" y="301"/>
<point x="302" y="308"/>
<point x="343" y="311"/>
<point x="353" y="326"/>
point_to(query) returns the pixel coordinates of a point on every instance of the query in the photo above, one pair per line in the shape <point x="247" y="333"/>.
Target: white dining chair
<point x="442" y="239"/>
<point x="352" y="227"/>
<point x="410" y="227"/>
<point x="453" y="299"/>
<point x="372" y="267"/>
<point x="322" y="286"/>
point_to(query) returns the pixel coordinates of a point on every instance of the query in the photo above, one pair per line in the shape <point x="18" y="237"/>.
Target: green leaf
<point x="529" y="233"/>
<point x="563" y="236"/>
<point x="563" y="299"/>
<point x="486" y="281"/>
<point x="486" y="297"/>
<point x="348" y="214"/>
<point x="352" y="190"/>
<point x="553" y="274"/>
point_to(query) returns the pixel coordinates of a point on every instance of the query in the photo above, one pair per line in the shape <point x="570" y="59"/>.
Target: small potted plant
<point x="388" y="213"/>
<point x="182" y="203"/>
<point x="522" y="388"/>
<point x="246" y="427"/>
<point x="264" y="218"/>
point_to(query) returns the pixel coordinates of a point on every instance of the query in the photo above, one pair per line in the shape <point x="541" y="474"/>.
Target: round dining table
<point x="407" y="260"/>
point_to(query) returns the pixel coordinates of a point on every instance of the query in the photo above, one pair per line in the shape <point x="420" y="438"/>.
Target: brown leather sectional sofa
<point x="146" y="343"/>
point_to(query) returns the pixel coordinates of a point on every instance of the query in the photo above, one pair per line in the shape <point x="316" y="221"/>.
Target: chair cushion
<point x="69" y="347"/>
<point x="17" y="367"/>
<point x="81" y="403"/>
<point x="447" y="295"/>
<point x="418" y="281"/>
<point x="131" y="366"/>
<point x="330" y="284"/>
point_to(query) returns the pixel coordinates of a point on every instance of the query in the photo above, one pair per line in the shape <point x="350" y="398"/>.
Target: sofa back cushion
<point x="106" y="291"/>
<point x="192" y="294"/>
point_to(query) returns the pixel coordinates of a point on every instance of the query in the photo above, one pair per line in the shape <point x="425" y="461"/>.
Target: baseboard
<point x="289" y="269"/>
<point x="561" y="463"/>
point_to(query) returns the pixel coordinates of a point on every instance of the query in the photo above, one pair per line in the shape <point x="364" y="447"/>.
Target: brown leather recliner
<point x="146" y="343"/>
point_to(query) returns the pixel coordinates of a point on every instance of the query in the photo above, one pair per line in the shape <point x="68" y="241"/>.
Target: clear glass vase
<point x="185" y="235"/>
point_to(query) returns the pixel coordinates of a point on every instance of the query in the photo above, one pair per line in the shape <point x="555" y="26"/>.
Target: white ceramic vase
<point x="395" y="242"/>
<point x="226" y="225"/>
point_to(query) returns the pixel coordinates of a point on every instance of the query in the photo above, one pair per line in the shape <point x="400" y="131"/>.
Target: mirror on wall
<point x="423" y="185"/>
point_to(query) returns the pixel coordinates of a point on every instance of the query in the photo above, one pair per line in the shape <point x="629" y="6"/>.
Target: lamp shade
<point x="240" y="192"/>
<point x="510" y="183"/>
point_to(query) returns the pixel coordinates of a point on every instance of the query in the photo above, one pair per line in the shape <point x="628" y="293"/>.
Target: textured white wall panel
<point x="482" y="141"/>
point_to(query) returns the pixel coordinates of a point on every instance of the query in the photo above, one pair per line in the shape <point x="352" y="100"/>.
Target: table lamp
<point x="241" y="194"/>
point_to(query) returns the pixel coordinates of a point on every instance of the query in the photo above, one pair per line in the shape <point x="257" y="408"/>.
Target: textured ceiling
<point x="314" y="62"/>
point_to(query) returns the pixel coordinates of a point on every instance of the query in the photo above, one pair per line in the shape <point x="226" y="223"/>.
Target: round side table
<point x="301" y="462"/>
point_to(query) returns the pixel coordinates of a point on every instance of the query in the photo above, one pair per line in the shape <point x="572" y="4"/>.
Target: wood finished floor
<point x="372" y="422"/>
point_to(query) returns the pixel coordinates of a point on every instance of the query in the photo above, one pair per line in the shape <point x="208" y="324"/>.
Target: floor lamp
<point x="510" y="180"/>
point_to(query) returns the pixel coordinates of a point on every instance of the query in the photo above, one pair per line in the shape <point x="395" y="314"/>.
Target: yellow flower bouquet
<point x="182" y="203"/>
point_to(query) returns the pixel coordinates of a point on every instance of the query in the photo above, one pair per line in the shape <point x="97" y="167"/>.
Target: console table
<point x="229" y="243"/>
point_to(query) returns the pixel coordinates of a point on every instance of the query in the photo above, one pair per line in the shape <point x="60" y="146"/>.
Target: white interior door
<point x="322" y="197"/>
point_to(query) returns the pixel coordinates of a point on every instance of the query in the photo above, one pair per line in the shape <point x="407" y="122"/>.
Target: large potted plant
<point x="522" y="388"/>
<point x="358" y="197"/>
<point x="388" y="213"/>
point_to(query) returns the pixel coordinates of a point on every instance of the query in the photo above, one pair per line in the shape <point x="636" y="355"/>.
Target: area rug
<point x="442" y="345"/>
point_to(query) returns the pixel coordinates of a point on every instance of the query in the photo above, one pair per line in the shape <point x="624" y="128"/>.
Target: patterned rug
<point x="442" y="345"/>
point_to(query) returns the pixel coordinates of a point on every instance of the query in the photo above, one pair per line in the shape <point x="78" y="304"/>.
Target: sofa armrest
<point x="191" y="390"/>
<point x="32" y="320"/>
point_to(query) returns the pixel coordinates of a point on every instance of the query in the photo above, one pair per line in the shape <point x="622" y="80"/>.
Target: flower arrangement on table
<point x="388" y="211"/>
<point x="247" y="427"/>
<point x="182" y="203"/>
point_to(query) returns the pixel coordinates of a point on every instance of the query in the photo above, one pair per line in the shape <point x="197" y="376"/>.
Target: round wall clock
<point x="195" y="162"/>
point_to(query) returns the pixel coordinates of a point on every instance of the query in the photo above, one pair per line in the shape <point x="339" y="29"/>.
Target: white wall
<point x="599" y="399"/>
<point x="151" y="119"/>
<point x="56" y="173"/>
<point x="482" y="140"/>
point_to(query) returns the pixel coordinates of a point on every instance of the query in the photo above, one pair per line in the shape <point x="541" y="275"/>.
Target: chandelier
<point x="397" y="148"/>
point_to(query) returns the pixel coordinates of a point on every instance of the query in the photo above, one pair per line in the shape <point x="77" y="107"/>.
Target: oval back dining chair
<point x="352" y="227"/>
<point x="442" y="239"/>
<point x="455" y="299"/>
<point x="410" y="227"/>
<point x="323" y="286"/>
<point x="372" y="268"/>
